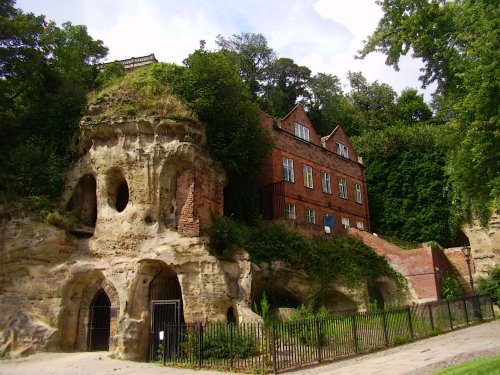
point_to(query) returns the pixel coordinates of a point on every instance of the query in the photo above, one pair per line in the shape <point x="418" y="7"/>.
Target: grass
<point x="142" y="92"/>
<point x="483" y="366"/>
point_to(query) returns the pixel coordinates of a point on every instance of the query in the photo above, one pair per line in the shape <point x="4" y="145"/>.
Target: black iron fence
<point x="285" y="345"/>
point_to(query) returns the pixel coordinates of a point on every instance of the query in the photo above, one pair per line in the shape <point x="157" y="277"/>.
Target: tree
<point x="458" y="43"/>
<point x="407" y="183"/>
<point x="253" y="57"/>
<point x="211" y="84"/>
<point x="287" y="85"/>
<point x="374" y="101"/>
<point x="411" y="108"/>
<point x="327" y="106"/>
<point x="45" y="72"/>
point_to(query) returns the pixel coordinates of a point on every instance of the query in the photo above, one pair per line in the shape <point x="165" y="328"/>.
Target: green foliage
<point x="217" y="343"/>
<point x="451" y="287"/>
<point x="407" y="183"/>
<point x="263" y="311"/>
<point x="458" y="43"/>
<point x="343" y="258"/>
<point x="45" y="73"/>
<point x="60" y="220"/>
<point x="37" y="204"/>
<point x="226" y="236"/>
<point x="109" y="74"/>
<point x="210" y="83"/>
<point x="253" y="57"/>
<point x="491" y="284"/>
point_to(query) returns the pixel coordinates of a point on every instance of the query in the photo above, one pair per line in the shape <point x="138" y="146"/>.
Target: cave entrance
<point x="165" y="297"/>
<point x="99" y="322"/>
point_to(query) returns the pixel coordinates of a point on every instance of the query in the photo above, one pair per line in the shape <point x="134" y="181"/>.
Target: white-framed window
<point x="288" y="170"/>
<point x="345" y="222"/>
<point x="326" y="182"/>
<point x="360" y="225"/>
<point x="310" y="215"/>
<point x="307" y="171"/>
<point x="343" y="188"/>
<point x="342" y="150"/>
<point x="289" y="211"/>
<point x="302" y="132"/>
<point x="357" y="193"/>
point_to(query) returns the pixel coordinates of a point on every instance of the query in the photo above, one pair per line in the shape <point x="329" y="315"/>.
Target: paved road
<point x="421" y="357"/>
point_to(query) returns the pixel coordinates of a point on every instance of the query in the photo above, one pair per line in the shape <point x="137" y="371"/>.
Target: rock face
<point x="485" y="245"/>
<point x="142" y="192"/>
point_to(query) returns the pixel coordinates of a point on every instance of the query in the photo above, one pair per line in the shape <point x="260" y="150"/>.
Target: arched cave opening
<point x="461" y="239"/>
<point x="336" y="302"/>
<point x="83" y="202"/>
<point x="230" y="316"/>
<point x="122" y="196"/>
<point x="279" y="300"/>
<point x="118" y="192"/>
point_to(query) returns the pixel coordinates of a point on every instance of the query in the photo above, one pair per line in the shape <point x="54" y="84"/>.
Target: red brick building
<point x="317" y="182"/>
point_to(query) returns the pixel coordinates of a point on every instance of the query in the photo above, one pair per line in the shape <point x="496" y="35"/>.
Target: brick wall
<point x="457" y="259"/>
<point x="321" y="159"/>
<point x="199" y="195"/>
<point x="417" y="265"/>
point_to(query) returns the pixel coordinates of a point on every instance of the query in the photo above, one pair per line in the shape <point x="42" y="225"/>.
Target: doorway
<point x="99" y="322"/>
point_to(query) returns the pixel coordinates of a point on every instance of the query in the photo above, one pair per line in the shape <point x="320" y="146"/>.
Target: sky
<point x="323" y="35"/>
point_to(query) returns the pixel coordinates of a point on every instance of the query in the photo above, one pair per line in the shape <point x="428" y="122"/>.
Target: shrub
<point x="217" y="342"/>
<point x="226" y="236"/>
<point x="491" y="284"/>
<point x="451" y="287"/>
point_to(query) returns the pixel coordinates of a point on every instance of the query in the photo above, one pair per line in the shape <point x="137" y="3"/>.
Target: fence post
<point x="354" y="333"/>
<point x="165" y="344"/>
<point x="449" y="314"/>
<point x="273" y="338"/>
<point x="430" y="316"/>
<point x="465" y="310"/>
<point x="318" y="344"/>
<point x="384" y="326"/>
<point x="200" y="345"/>
<point x="410" y="326"/>
<point x="230" y="345"/>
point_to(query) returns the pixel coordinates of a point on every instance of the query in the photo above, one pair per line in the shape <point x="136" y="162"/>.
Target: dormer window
<point x="302" y="132"/>
<point x="342" y="150"/>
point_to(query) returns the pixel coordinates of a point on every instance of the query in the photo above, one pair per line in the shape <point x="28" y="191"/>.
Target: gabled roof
<point x="297" y="106"/>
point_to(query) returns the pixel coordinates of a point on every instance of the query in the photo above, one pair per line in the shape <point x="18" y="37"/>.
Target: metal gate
<point x="164" y="335"/>
<point x="99" y="321"/>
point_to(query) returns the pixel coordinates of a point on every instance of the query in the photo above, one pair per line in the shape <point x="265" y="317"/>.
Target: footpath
<point x="418" y="358"/>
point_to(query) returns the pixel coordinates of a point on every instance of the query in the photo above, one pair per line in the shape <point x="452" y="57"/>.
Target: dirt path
<point x="418" y="358"/>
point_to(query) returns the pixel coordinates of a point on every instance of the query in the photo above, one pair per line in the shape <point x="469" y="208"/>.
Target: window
<point x="342" y="150"/>
<point x="329" y="220"/>
<point x="310" y="216"/>
<point x="343" y="188"/>
<point x="289" y="211"/>
<point x="308" y="176"/>
<point x="302" y="132"/>
<point x="357" y="193"/>
<point x="288" y="170"/>
<point x="345" y="222"/>
<point x="360" y="225"/>
<point x="325" y="182"/>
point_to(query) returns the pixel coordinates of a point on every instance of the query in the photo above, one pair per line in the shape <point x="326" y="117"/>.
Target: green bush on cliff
<point x="338" y="257"/>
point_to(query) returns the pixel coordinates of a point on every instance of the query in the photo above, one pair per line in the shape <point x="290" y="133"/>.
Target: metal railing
<point x="286" y="345"/>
